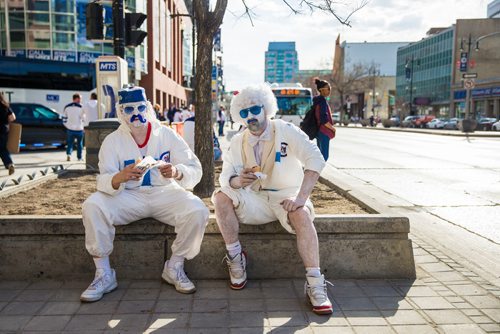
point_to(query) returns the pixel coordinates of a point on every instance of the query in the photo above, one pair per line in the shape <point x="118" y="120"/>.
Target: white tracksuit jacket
<point x="294" y="153"/>
<point x="153" y="196"/>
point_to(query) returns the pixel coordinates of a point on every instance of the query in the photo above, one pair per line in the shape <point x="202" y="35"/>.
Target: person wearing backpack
<point x="323" y="115"/>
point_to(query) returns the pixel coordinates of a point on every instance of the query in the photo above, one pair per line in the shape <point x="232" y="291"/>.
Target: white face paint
<point x="135" y="114"/>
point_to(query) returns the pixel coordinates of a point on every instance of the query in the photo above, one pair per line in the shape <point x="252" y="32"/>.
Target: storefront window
<point x="38" y="20"/>
<point x="63" y="6"/>
<point x="38" y="39"/>
<point x="63" y="22"/>
<point x="63" y="41"/>
<point x="38" y="5"/>
<point x="16" y="20"/>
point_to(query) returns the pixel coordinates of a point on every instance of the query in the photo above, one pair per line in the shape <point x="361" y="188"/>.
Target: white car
<point x="496" y="126"/>
<point x="436" y="123"/>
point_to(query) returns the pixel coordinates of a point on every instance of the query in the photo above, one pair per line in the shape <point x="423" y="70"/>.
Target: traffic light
<point x="133" y="36"/>
<point x="94" y="21"/>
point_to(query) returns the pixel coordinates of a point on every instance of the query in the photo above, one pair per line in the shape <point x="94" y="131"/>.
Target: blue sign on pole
<point x="52" y="98"/>
<point x="464" y="59"/>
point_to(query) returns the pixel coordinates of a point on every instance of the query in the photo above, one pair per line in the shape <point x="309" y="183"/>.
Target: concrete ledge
<point x="351" y="246"/>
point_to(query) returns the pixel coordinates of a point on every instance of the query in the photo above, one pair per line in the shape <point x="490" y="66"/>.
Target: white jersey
<point x="73" y="117"/>
<point x="294" y="152"/>
<point x="119" y="149"/>
<point x="90" y="109"/>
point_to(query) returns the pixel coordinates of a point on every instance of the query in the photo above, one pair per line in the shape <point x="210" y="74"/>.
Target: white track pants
<point x="170" y="205"/>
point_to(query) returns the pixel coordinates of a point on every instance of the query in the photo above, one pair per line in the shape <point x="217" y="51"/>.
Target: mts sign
<point x="110" y="66"/>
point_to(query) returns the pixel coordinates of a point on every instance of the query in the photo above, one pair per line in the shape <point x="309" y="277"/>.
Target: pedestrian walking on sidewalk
<point x="324" y="117"/>
<point x="128" y="191"/>
<point x="74" y="121"/>
<point x="7" y="116"/>
<point x="221" y="119"/>
<point x="268" y="174"/>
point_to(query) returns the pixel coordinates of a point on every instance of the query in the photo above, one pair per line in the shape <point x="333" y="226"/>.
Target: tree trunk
<point x="207" y="24"/>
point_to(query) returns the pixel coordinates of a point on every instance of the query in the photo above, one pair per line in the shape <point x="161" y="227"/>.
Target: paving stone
<point x="435" y="267"/>
<point x="278" y="283"/>
<point x="211" y="305"/>
<point x="483" y="301"/>
<point x="173" y="306"/>
<point x="135" y="306"/>
<point x="341" y="283"/>
<point x="168" y="321"/>
<point x="45" y="284"/>
<point x="13" y="285"/>
<point x="88" y="322"/>
<point x="13" y="322"/>
<point x="468" y="290"/>
<point x="35" y="295"/>
<point x="287" y="330"/>
<point x="330" y="330"/>
<point x="448" y="317"/>
<point x="481" y="319"/>
<point x="373" y="330"/>
<point x="448" y="276"/>
<point x="220" y="284"/>
<point x="381" y="291"/>
<point x="2" y="305"/>
<point x="128" y="322"/>
<point x="248" y="319"/>
<point x="209" y="320"/>
<point x="273" y="293"/>
<point x="461" y="329"/>
<point x="251" y="330"/>
<point x="171" y="293"/>
<point x="8" y="295"/>
<point x="286" y="304"/>
<point x="145" y="284"/>
<point x="207" y="331"/>
<point x="447" y="293"/>
<point x="454" y="299"/>
<point x="60" y="308"/>
<point x="76" y="284"/>
<point x="167" y="331"/>
<point x="336" y="319"/>
<point x="349" y="291"/>
<point x="471" y="311"/>
<point x="365" y="318"/>
<point x="419" y="259"/>
<point x="22" y="308"/>
<point x="240" y="305"/>
<point x="493" y="314"/>
<point x="287" y="319"/>
<point x="100" y="307"/>
<point x="373" y="283"/>
<point x="248" y="293"/>
<point x="462" y="305"/>
<point x="211" y="293"/>
<point x="432" y="303"/>
<point x="355" y="303"/>
<point x="48" y="323"/>
<point x="391" y="303"/>
<point x="66" y="295"/>
<point x="490" y="328"/>
<point x="141" y="294"/>
<point x="420" y="291"/>
<point x="415" y="329"/>
<point x="404" y="317"/>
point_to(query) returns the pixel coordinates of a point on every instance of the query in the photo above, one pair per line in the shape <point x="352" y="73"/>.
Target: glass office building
<point x="282" y="63"/>
<point x="47" y="39"/>
<point x="423" y="73"/>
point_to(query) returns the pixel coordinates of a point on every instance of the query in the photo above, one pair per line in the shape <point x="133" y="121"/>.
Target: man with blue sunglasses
<point x="126" y="193"/>
<point x="268" y="174"/>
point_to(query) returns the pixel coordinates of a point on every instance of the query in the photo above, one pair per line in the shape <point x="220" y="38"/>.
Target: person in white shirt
<point x="91" y="109"/>
<point x="177" y="116"/>
<point x="74" y="121"/>
<point x="268" y="174"/>
<point x="126" y="193"/>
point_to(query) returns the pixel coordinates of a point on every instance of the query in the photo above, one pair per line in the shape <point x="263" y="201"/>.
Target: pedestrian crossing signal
<point x="94" y="21"/>
<point x="134" y="36"/>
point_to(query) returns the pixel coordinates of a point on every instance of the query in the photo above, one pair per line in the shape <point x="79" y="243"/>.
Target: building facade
<point x="282" y="62"/>
<point x="423" y="74"/>
<point x="493" y="11"/>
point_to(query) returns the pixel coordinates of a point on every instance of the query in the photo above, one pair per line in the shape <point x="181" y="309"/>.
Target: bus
<point x="293" y="101"/>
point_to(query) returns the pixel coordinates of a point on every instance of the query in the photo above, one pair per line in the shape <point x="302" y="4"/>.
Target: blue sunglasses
<point x="130" y="109"/>
<point x="255" y="110"/>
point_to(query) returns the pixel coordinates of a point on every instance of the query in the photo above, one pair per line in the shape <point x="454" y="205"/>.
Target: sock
<point x="102" y="263"/>
<point x="313" y="272"/>
<point x="174" y="259"/>
<point x="233" y="249"/>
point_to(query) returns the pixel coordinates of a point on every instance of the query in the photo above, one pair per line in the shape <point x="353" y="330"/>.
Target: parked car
<point x="436" y="123"/>
<point x="42" y="126"/>
<point x="485" y="124"/>
<point x="336" y="117"/>
<point x="496" y="126"/>
<point x="396" y="121"/>
<point x="452" y="124"/>
<point x="408" y="121"/>
<point x="421" y="122"/>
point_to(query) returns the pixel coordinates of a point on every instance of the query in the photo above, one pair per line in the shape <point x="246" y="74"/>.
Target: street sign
<point x="469" y="75"/>
<point x="469" y="84"/>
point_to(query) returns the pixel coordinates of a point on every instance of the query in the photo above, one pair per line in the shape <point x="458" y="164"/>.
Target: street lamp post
<point x="374" y="96"/>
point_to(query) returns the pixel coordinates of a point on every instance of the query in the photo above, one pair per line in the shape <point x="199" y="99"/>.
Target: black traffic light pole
<point x="118" y="29"/>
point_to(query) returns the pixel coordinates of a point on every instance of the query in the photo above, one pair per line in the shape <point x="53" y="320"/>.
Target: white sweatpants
<point x="170" y="205"/>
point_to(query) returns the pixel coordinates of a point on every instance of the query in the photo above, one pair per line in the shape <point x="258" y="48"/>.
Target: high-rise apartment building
<point x="282" y="62"/>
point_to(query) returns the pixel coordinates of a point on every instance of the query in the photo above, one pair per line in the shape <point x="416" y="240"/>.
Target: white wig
<point x="257" y="95"/>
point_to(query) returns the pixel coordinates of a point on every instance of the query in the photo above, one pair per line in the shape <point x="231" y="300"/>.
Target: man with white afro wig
<point x="129" y="189"/>
<point x="267" y="175"/>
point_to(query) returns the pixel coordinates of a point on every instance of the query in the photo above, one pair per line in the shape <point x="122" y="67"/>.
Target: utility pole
<point x="118" y="29"/>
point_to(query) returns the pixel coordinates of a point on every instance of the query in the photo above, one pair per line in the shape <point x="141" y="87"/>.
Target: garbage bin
<point x="95" y="133"/>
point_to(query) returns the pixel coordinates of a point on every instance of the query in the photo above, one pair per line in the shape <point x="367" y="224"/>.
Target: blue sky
<point x="379" y="21"/>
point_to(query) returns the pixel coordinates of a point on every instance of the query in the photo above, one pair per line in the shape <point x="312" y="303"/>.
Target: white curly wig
<point x="257" y="95"/>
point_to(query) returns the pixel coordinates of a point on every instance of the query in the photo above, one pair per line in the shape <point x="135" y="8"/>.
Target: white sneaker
<point x="177" y="277"/>
<point x="316" y="290"/>
<point x="104" y="282"/>
<point x="237" y="270"/>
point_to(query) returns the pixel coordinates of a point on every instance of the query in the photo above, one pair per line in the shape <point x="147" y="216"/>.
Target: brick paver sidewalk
<point x="445" y="298"/>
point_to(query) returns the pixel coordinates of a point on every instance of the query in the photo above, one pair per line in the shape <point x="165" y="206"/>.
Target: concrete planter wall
<point x="351" y="246"/>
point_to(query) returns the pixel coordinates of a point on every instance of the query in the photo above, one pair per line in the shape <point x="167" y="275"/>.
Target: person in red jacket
<point x="323" y="117"/>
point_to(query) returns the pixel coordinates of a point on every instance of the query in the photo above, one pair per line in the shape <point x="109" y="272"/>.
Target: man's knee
<point x="92" y="203"/>
<point x="300" y="219"/>
<point x="221" y="200"/>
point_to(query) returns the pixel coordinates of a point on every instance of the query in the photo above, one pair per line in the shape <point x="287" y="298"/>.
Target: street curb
<point x="432" y="132"/>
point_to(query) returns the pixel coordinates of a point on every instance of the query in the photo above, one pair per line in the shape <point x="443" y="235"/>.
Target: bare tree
<point x="207" y="22"/>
